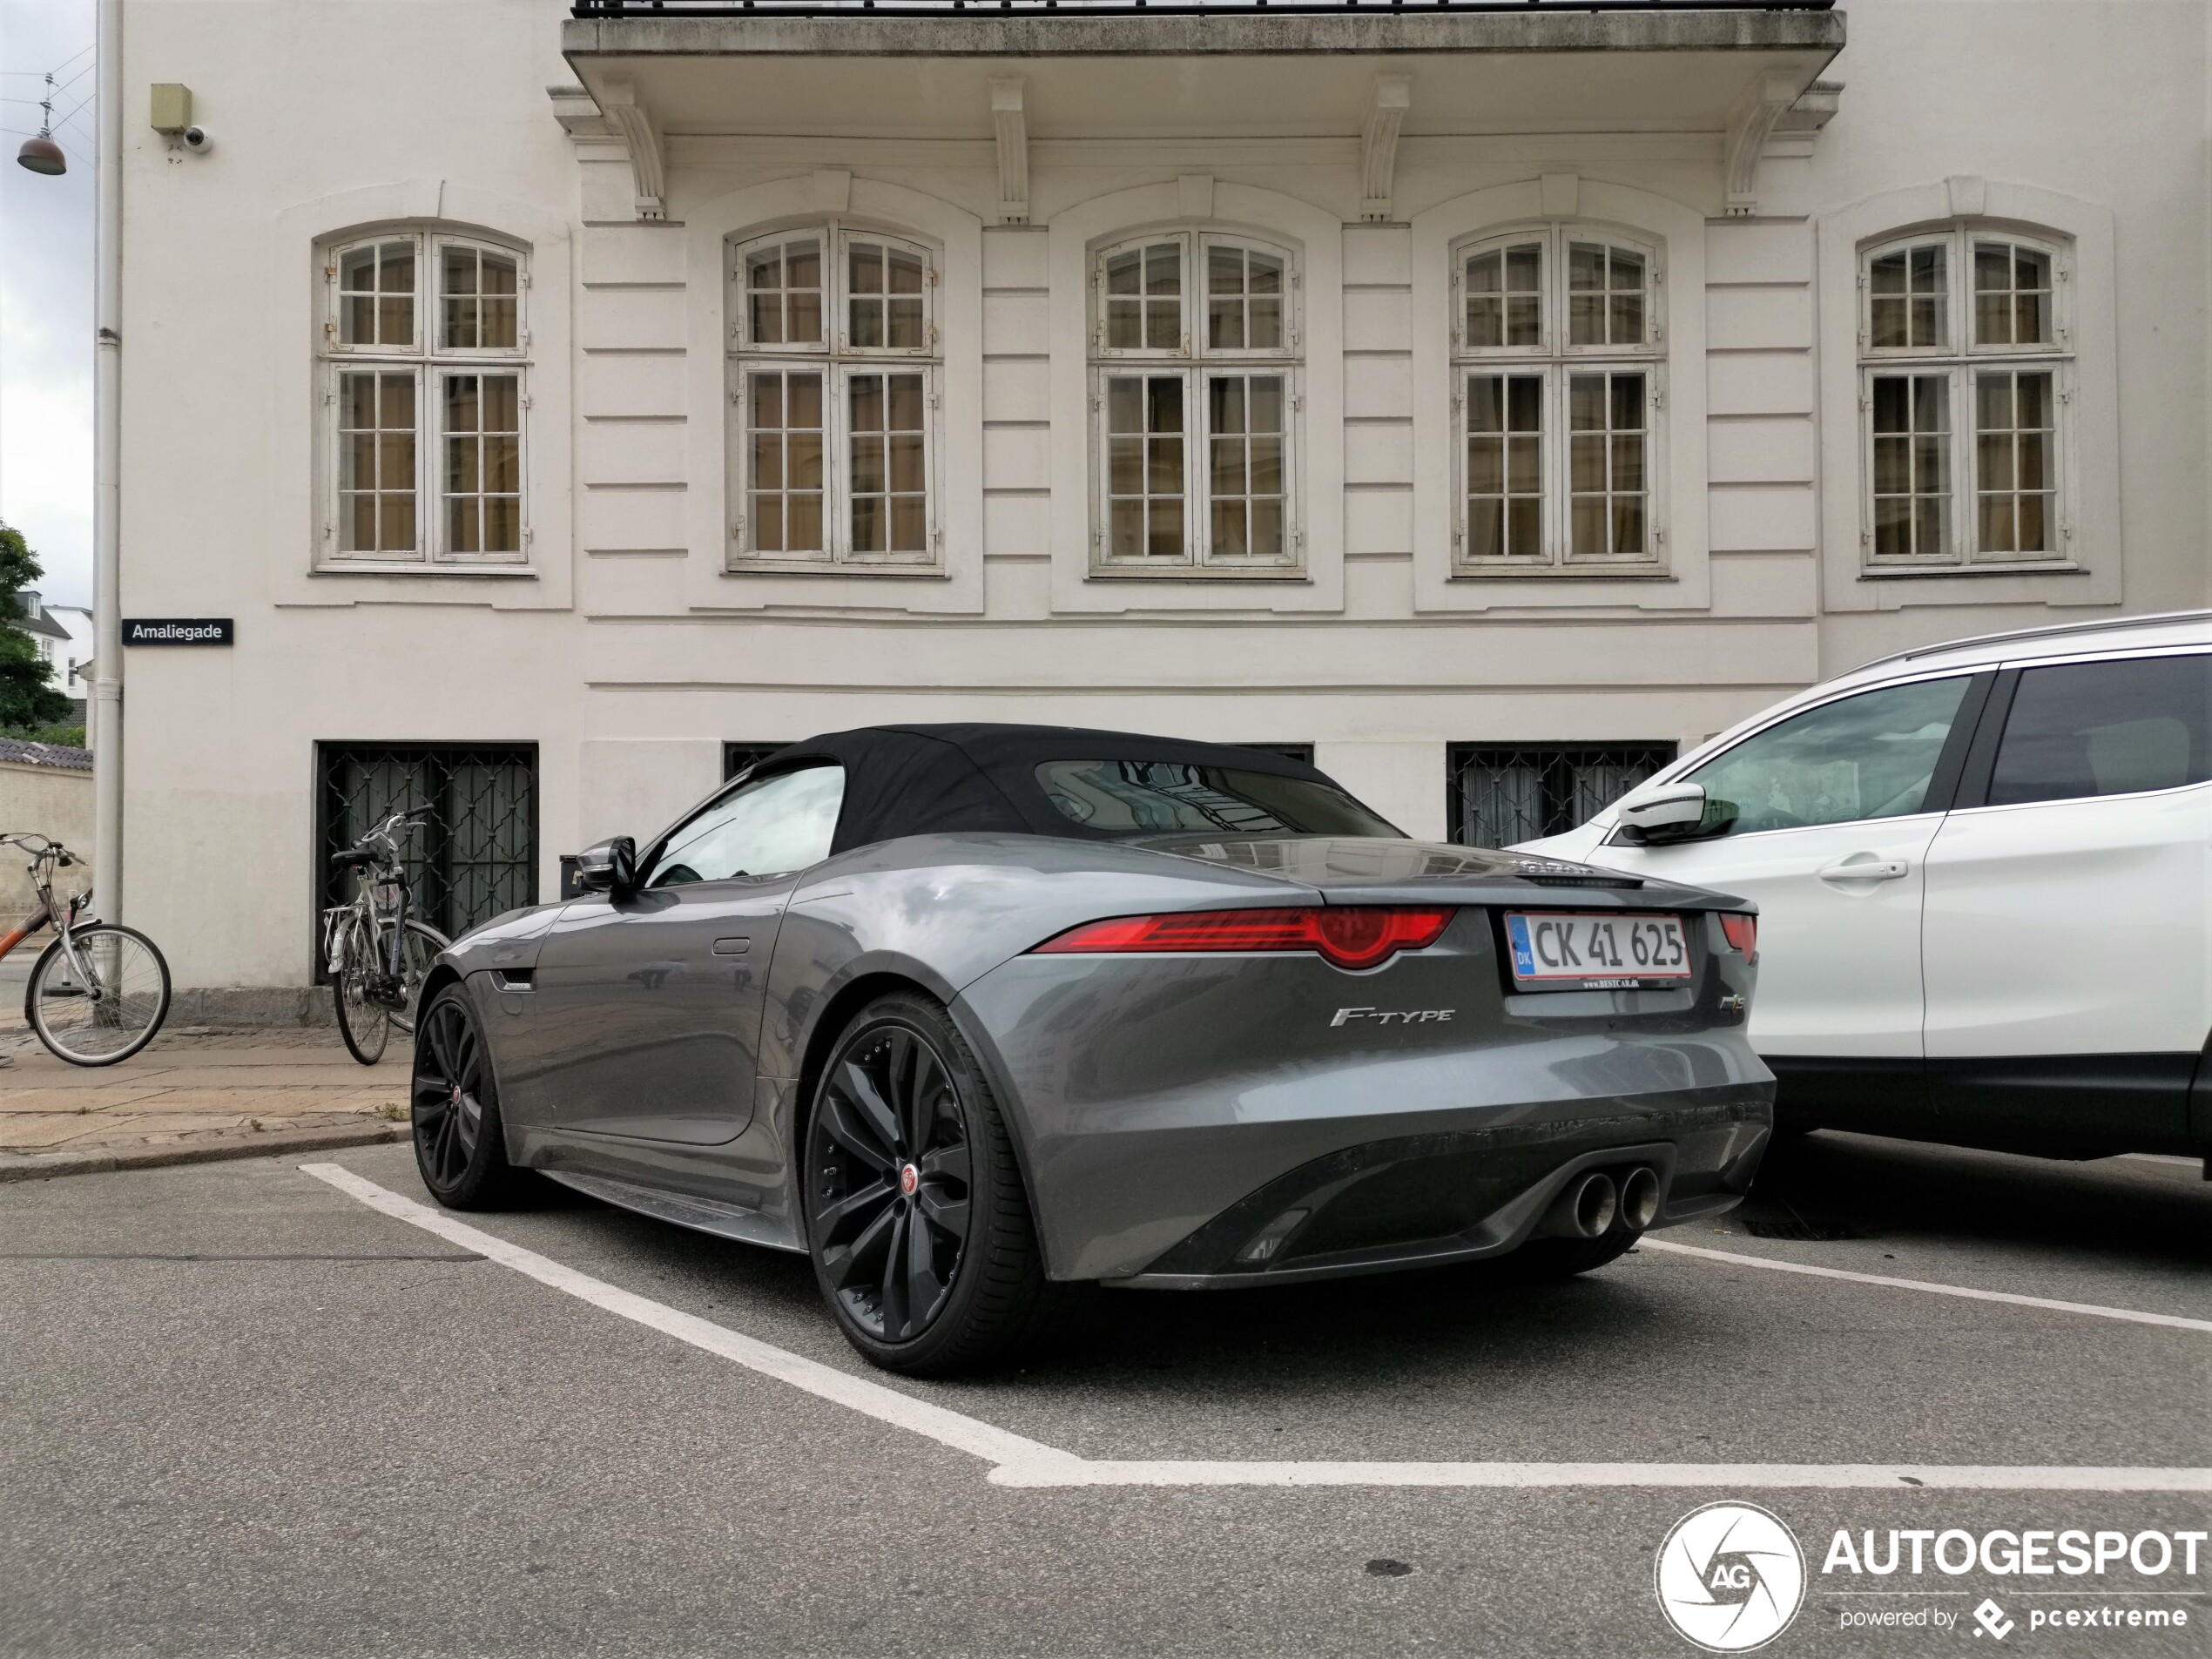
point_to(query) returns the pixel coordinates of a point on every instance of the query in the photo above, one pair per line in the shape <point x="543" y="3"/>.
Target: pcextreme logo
<point x="1731" y="1577"/>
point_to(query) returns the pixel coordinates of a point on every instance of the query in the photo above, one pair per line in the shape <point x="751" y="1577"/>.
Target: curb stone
<point x="42" y="1165"/>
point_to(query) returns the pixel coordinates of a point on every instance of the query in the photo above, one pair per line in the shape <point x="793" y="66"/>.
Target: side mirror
<point x="610" y="868"/>
<point x="1666" y="813"/>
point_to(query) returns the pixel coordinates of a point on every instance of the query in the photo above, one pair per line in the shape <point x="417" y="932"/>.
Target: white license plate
<point x="1618" y="952"/>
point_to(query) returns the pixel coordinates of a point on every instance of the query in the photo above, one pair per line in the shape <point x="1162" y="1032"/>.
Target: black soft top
<point x="979" y="778"/>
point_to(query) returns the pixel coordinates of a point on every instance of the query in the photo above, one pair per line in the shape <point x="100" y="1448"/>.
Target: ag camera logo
<point x="1731" y="1577"/>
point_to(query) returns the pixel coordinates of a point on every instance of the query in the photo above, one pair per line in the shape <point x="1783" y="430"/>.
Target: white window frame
<point x="1196" y="363"/>
<point x="839" y="359"/>
<point x="1958" y="361"/>
<point x="1557" y="361"/>
<point x="427" y="362"/>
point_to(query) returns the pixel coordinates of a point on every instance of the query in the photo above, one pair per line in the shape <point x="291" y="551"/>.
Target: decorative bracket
<point x="1010" y="124"/>
<point x="1388" y="101"/>
<point x="1748" y="131"/>
<point x="618" y="99"/>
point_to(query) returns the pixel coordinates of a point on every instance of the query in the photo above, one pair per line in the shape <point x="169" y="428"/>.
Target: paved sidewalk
<point x="193" y="1096"/>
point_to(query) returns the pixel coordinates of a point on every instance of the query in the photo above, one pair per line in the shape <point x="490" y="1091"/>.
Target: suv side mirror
<point x="1665" y="812"/>
<point x="610" y="868"/>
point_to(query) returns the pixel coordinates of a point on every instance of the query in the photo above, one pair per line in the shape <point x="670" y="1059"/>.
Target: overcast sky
<point x="46" y="294"/>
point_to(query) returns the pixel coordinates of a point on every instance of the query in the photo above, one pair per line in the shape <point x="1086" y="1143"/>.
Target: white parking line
<point x="1017" y="1461"/>
<point x="858" y="1393"/>
<point x="1896" y="1477"/>
<point x="2132" y="1316"/>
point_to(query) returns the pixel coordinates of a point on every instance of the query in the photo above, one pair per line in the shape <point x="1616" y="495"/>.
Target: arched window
<point x="1556" y="340"/>
<point x="833" y="372"/>
<point x="426" y="362"/>
<point x="1965" y="359"/>
<point x="1194" y="359"/>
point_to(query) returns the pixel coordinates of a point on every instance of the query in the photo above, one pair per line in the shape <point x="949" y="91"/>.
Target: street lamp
<point x="41" y="154"/>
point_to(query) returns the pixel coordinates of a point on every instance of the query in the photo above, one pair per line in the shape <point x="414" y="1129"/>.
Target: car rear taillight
<point x="1350" y="936"/>
<point x="1742" y="933"/>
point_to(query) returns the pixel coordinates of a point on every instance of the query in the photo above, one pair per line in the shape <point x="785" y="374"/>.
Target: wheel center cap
<point x="909" y="1178"/>
<point x="456" y="1094"/>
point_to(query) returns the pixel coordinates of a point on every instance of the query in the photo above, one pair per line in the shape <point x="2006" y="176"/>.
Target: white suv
<point x="1984" y="873"/>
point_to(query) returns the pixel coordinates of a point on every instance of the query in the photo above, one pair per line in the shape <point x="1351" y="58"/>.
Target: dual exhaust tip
<point x="1592" y="1204"/>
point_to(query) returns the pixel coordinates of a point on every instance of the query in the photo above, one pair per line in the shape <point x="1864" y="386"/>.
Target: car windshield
<point x="1160" y="796"/>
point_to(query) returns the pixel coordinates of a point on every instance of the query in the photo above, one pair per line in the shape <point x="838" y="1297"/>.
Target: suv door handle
<point x="1857" y="868"/>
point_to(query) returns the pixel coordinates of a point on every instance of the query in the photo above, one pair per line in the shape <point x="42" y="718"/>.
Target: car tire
<point x="1545" y="1259"/>
<point x="460" y="1142"/>
<point x="917" y="1220"/>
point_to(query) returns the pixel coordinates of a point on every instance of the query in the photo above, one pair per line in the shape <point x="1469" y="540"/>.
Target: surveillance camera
<point x="197" y="141"/>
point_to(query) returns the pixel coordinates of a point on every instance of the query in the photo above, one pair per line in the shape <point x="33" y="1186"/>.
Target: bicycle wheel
<point x="419" y="948"/>
<point x="110" y="1013"/>
<point x="363" y="1022"/>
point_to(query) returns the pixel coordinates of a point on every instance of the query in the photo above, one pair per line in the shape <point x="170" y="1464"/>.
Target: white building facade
<point x="564" y="402"/>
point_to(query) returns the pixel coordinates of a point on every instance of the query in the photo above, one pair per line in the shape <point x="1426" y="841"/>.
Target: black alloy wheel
<point x="459" y="1146"/>
<point x="891" y="1180"/>
<point x="916" y="1217"/>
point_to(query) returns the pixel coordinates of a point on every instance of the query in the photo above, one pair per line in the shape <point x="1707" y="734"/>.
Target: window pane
<point x="1245" y="306"/>
<point x="481" y="424"/>
<point x="1912" y="473"/>
<point x="1605" y="463"/>
<point x="1163" y="520"/>
<point x="784" y="461"/>
<point x="376" y="295"/>
<point x="2013" y="438"/>
<point x="2087" y="728"/>
<point x="1144" y="481"/>
<point x="1908" y="298"/>
<point x="886" y="474"/>
<point x="2011" y="294"/>
<point x="1864" y="757"/>
<point x="1504" y="479"/>
<point x="1245" y="472"/>
<point x="376" y="462"/>
<point x="1143" y="307"/>
<point x="784" y="297"/>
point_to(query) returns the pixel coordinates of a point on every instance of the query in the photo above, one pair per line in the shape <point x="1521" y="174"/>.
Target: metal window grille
<point x="736" y="756"/>
<point x="475" y="857"/>
<point x="1502" y="795"/>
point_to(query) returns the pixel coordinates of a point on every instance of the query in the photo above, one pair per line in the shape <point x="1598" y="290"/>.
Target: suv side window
<point x="2081" y="729"/>
<point x="1868" y="756"/>
<point x="770" y="826"/>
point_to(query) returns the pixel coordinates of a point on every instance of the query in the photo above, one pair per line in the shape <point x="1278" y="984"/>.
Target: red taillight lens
<point x="1348" y="936"/>
<point x="1742" y="933"/>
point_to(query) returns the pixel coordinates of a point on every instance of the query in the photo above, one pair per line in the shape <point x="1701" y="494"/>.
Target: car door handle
<point x="732" y="947"/>
<point x="1862" y="869"/>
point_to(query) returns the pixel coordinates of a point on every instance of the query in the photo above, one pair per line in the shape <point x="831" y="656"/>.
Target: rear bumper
<point x="1423" y="1200"/>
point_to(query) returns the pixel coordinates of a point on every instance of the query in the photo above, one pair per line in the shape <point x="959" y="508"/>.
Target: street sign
<point x="178" y="631"/>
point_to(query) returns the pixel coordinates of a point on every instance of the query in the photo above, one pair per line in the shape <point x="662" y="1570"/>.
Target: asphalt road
<point x="242" y="1412"/>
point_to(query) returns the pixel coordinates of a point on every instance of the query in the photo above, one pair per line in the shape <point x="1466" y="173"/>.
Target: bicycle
<point x="99" y="992"/>
<point x="377" y="955"/>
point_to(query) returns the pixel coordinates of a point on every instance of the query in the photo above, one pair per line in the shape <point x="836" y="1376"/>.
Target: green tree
<point x="27" y="700"/>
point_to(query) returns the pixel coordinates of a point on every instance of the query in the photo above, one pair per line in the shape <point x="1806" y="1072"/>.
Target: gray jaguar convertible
<point x="969" y="1014"/>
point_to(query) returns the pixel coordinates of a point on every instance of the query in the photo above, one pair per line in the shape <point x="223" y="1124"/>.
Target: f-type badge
<point x="1382" y="1016"/>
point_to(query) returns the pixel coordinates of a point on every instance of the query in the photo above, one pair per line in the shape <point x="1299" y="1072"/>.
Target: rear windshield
<point x="1160" y="796"/>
